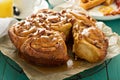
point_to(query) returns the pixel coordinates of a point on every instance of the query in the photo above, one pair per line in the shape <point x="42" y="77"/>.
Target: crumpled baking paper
<point x="61" y="72"/>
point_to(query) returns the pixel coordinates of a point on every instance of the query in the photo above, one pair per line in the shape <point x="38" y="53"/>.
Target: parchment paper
<point x="61" y="72"/>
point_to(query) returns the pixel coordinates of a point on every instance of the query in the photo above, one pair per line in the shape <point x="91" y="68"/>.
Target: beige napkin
<point x="5" y="23"/>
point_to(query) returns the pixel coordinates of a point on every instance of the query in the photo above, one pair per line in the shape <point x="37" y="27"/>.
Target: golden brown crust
<point x="89" y="42"/>
<point x="49" y="19"/>
<point x="91" y="3"/>
<point x="46" y="48"/>
<point x="81" y="16"/>
<point x="19" y="32"/>
<point x="40" y="38"/>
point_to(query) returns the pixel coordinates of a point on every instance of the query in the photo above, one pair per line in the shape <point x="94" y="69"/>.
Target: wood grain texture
<point x="22" y="77"/>
<point x="101" y="75"/>
<point x="10" y="73"/>
<point x="2" y="67"/>
<point x="7" y="72"/>
<point x="114" y="69"/>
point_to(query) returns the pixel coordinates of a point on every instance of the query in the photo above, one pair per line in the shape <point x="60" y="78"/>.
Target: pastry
<point x="45" y="48"/>
<point x="82" y="16"/>
<point x="52" y="20"/>
<point x="40" y="38"/>
<point x="20" y="31"/>
<point x="89" y="42"/>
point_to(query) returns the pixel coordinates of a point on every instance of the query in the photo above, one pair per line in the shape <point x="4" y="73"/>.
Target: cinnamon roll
<point x="40" y="38"/>
<point x="89" y="42"/>
<point x="52" y="20"/>
<point x="20" y="31"/>
<point x="38" y="41"/>
<point x="46" y="48"/>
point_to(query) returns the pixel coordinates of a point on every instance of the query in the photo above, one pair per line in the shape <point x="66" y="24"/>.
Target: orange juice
<point x="6" y="8"/>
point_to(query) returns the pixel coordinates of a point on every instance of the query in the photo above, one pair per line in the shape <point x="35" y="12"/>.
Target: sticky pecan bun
<point x="89" y="42"/>
<point x="52" y="20"/>
<point x="21" y="31"/>
<point x="45" y="48"/>
<point x="40" y="38"/>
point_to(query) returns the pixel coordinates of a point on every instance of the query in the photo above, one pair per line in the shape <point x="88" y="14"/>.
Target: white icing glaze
<point x="54" y="38"/>
<point x="69" y="63"/>
<point x="63" y="18"/>
<point x="44" y="36"/>
<point x="27" y="23"/>
<point x="86" y="31"/>
<point x="33" y="27"/>
<point x="52" y="17"/>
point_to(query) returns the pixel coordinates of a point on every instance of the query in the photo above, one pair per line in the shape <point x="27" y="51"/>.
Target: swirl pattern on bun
<point x="41" y="37"/>
<point x="45" y="48"/>
<point x="20" y="32"/>
<point x="90" y="43"/>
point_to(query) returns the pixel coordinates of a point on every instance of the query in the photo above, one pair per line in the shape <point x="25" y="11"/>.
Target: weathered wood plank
<point x="10" y="70"/>
<point x="96" y="73"/>
<point x="114" y="69"/>
<point x="22" y="77"/>
<point x="2" y="66"/>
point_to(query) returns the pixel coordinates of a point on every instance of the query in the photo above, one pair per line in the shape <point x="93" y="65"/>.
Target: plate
<point x="95" y="13"/>
<point x="106" y="17"/>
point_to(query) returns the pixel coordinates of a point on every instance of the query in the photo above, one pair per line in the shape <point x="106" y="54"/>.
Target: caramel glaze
<point x="90" y="43"/>
<point x="40" y="38"/>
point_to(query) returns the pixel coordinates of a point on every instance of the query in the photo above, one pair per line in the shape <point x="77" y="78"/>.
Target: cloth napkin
<point x="5" y="23"/>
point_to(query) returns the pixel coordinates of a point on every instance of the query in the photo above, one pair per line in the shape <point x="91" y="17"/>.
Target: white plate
<point x="95" y="13"/>
<point x="106" y="17"/>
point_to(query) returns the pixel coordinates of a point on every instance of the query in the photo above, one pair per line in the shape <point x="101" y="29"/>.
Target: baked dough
<point x="89" y="42"/>
<point x="45" y="48"/>
<point x="88" y="4"/>
<point x="20" y="31"/>
<point x="52" y="20"/>
<point x="40" y="38"/>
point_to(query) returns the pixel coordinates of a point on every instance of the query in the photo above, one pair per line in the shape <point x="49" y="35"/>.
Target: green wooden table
<point x="109" y="70"/>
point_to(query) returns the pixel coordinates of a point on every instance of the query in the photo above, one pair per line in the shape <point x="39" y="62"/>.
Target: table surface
<point x="109" y="70"/>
